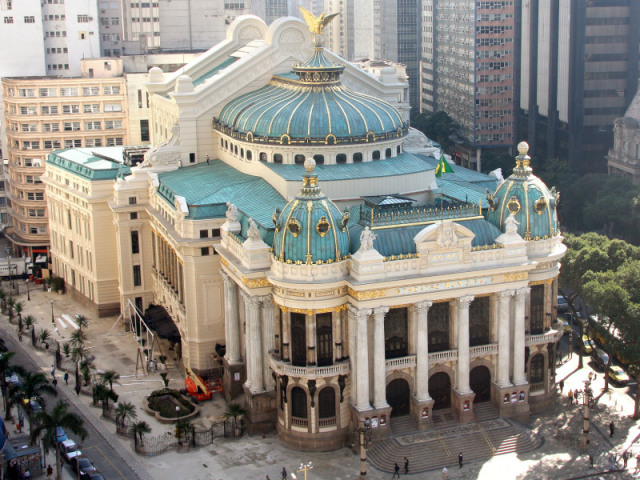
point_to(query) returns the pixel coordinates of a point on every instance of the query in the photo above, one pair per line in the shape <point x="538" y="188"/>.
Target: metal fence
<point x="196" y="437"/>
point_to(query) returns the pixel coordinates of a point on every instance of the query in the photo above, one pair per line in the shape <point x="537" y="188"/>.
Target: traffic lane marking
<point x="106" y="458"/>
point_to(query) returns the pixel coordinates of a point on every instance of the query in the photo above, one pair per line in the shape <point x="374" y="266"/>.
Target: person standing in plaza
<point x="284" y="473"/>
<point x="561" y="385"/>
<point x="570" y="394"/>
<point x="66" y="378"/>
<point x="396" y="471"/>
<point x="444" y="473"/>
<point x="406" y="465"/>
<point x="460" y="459"/>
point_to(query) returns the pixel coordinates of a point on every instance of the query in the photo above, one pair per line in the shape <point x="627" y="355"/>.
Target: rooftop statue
<point x="316" y="24"/>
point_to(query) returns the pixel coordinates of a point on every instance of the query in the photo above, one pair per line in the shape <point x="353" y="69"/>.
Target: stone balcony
<point x="551" y="336"/>
<point x="311" y="372"/>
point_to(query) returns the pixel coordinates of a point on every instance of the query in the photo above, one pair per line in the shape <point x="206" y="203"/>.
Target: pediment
<point x="444" y="243"/>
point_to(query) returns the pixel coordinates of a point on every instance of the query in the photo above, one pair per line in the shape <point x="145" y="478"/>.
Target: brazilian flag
<point x="443" y="167"/>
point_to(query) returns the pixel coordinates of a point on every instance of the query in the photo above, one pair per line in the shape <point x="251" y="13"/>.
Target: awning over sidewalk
<point x="159" y="320"/>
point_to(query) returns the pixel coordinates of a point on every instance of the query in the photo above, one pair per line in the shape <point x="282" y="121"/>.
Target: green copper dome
<point x="528" y="198"/>
<point x="311" y="106"/>
<point x="310" y="229"/>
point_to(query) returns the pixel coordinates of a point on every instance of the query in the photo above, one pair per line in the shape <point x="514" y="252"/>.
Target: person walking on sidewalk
<point x="612" y="429"/>
<point x="66" y="378"/>
<point x="49" y="471"/>
<point x="561" y="385"/>
<point x="396" y="471"/>
<point x="570" y="394"/>
<point x="53" y="371"/>
<point x="460" y="459"/>
<point x="284" y="473"/>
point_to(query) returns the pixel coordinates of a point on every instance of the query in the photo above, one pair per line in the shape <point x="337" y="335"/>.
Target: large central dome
<point x="310" y="105"/>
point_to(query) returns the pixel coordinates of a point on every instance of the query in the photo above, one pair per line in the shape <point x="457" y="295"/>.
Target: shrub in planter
<point x="165" y="401"/>
<point x="58" y="284"/>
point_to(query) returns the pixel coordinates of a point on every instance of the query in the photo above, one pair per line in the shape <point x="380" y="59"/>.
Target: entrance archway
<point x="398" y="397"/>
<point x="480" y="383"/>
<point x="440" y="390"/>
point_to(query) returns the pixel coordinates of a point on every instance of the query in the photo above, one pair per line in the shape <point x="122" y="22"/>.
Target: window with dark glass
<point x="298" y="403"/>
<point x="357" y="157"/>
<point x="438" y="326"/>
<point x="341" y="158"/>
<point x="137" y="277"/>
<point x="537" y="309"/>
<point x="298" y="339"/>
<point x="135" y="242"/>
<point x="536" y="371"/>
<point x="479" y="316"/>
<point x="298" y="159"/>
<point x="396" y="333"/>
<point x="204" y="233"/>
<point x="144" y="130"/>
<point x="327" y="402"/>
<point x="324" y="343"/>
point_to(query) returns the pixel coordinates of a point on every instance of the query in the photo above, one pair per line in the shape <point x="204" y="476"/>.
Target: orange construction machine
<point x="201" y="389"/>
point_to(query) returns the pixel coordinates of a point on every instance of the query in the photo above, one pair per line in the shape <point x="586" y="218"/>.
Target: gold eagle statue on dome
<point x="317" y="24"/>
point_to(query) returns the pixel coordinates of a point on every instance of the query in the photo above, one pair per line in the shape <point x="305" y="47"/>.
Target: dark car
<point x="84" y="465"/>
<point x="94" y="476"/>
<point x="600" y="358"/>
<point x="563" y="306"/>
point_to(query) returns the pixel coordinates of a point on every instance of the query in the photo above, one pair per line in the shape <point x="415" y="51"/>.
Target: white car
<point x="69" y="449"/>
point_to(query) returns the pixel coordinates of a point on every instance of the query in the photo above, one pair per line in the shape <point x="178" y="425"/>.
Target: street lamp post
<point x="28" y="292"/>
<point x="9" y="267"/>
<point x="52" y="319"/>
<point x="586" y="400"/>
<point x="364" y="432"/>
<point x="304" y="468"/>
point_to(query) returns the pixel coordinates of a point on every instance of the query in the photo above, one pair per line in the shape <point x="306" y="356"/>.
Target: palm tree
<point x="34" y="385"/>
<point x="86" y="367"/>
<point x="183" y="427"/>
<point x="47" y="424"/>
<point x="44" y="336"/>
<point x="124" y="411"/>
<point x="78" y="354"/>
<point x="78" y="338"/>
<point x="11" y="303"/>
<point x="66" y="349"/>
<point x="109" y="377"/>
<point x="3" y="346"/>
<point x="104" y="394"/>
<point x="28" y="321"/>
<point x="18" y="307"/>
<point x="234" y="410"/>
<point x="138" y="429"/>
<point x="5" y="369"/>
<point x="82" y="321"/>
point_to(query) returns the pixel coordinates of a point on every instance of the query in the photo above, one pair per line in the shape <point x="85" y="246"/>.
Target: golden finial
<point x="309" y="164"/>
<point x="523" y="160"/>
<point x="316" y="24"/>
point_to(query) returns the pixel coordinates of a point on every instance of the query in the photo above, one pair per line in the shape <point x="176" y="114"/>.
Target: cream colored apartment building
<point x="44" y="114"/>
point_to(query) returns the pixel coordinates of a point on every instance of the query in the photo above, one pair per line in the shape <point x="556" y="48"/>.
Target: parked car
<point x="617" y="375"/>
<point x="83" y="464"/>
<point x="587" y="345"/>
<point x="563" y="306"/>
<point x="60" y="435"/>
<point x="34" y="402"/>
<point x="13" y="379"/>
<point x="566" y="328"/>
<point x="94" y="476"/>
<point x="600" y="358"/>
<point x="69" y="449"/>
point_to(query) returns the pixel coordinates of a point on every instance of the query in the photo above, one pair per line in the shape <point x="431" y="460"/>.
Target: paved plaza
<point x="255" y="457"/>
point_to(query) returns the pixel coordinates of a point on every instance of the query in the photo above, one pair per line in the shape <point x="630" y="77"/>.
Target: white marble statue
<point x="366" y="239"/>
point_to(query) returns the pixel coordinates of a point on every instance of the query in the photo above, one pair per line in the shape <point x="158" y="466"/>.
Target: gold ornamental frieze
<point x="515" y="277"/>
<point x="255" y="282"/>
<point x="367" y="294"/>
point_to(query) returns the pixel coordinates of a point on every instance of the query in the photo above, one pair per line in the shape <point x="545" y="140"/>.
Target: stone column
<point x="462" y="314"/>
<point x="422" y="352"/>
<point x="286" y="335"/>
<point x="379" y="365"/>
<point x="353" y="361"/>
<point x="254" y="350"/>
<point x="232" y="328"/>
<point x="268" y="338"/>
<point x="504" y="299"/>
<point x="362" y="362"/>
<point x="336" y="326"/>
<point x="519" y="377"/>
<point x="310" y="321"/>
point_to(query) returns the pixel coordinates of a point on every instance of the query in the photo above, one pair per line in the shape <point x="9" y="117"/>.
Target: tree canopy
<point x="438" y="126"/>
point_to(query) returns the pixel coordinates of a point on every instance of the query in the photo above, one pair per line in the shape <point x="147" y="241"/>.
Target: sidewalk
<point x="254" y="457"/>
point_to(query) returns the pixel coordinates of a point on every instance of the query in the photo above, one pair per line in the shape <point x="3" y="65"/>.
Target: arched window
<point x="242" y="152"/>
<point x="341" y="158"/>
<point x="370" y="137"/>
<point x="249" y="155"/>
<point x="327" y="403"/>
<point x="376" y="154"/>
<point x="357" y="157"/>
<point x="298" y="403"/>
<point x="536" y="371"/>
<point x="235" y="150"/>
<point x="222" y="142"/>
<point x="263" y="157"/>
<point x="299" y="159"/>
<point x="319" y="159"/>
<point x="226" y="145"/>
<point x="277" y="158"/>
<point x="387" y="153"/>
<point x="398" y="150"/>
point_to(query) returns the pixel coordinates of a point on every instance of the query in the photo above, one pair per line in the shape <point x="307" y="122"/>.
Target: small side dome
<point x="526" y="197"/>
<point x="310" y="229"/>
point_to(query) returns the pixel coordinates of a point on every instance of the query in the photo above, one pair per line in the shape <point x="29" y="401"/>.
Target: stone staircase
<point x="439" y="447"/>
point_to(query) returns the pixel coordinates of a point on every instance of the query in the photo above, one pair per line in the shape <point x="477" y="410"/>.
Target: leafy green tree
<point x="438" y="126"/>
<point x="46" y="424"/>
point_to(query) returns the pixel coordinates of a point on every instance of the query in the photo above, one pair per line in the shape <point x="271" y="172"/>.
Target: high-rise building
<point x="468" y="71"/>
<point x="624" y="157"/>
<point x="579" y="73"/>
